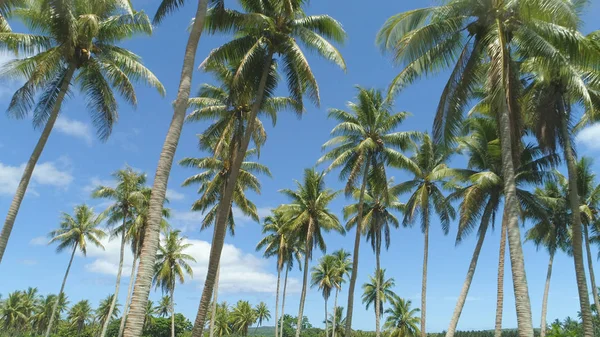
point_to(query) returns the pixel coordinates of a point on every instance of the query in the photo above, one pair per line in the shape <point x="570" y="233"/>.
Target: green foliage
<point x="161" y="327"/>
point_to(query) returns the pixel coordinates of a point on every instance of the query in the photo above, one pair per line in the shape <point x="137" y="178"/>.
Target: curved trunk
<point x="143" y="282"/>
<point x="13" y="209"/>
<point x="172" y="312"/>
<point x="277" y="302"/>
<point x="377" y="296"/>
<point x="465" y="289"/>
<point x="500" y="294"/>
<point x="129" y="289"/>
<point x="591" y="269"/>
<point x="118" y="285"/>
<point x="354" y="273"/>
<point x="62" y="288"/>
<point x="584" y="301"/>
<point x="304" y="279"/>
<point x="283" y="300"/>
<point x="545" y="298"/>
<point x="225" y="203"/>
<point x="213" y="314"/>
<point x="337" y="290"/>
<point x="424" y="279"/>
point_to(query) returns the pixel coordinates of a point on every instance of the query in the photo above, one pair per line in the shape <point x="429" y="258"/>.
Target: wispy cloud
<point x="39" y="241"/>
<point x="74" y="128"/>
<point x="589" y="137"/>
<point x="187" y="220"/>
<point x="55" y="174"/>
<point x="173" y="195"/>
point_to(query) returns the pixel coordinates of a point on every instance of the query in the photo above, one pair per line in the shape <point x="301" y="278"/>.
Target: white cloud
<point x="74" y="128"/>
<point x="95" y="182"/>
<point x="39" y="241"/>
<point x="173" y="195"/>
<point x="235" y="266"/>
<point x="590" y="136"/>
<point x="191" y="220"/>
<point x="55" y="174"/>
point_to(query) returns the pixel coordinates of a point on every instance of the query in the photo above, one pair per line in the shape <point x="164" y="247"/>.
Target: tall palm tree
<point x="378" y="200"/>
<point x="309" y="215"/>
<point x="80" y="315"/>
<point x="262" y="313"/>
<point x="365" y="140"/>
<point x="267" y="33"/>
<point x="125" y="195"/>
<point x="550" y="232"/>
<point x="242" y="317"/>
<point x="143" y="280"/>
<point x="78" y="46"/>
<point x="430" y="173"/>
<point x="44" y="311"/>
<point x="479" y="41"/>
<point x="324" y="277"/>
<point x="171" y="266"/>
<point x="295" y="252"/>
<point x="378" y="290"/>
<point x="343" y="270"/>
<point x="75" y="232"/>
<point x="104" y="313"/>
<point x="401" y="320"/>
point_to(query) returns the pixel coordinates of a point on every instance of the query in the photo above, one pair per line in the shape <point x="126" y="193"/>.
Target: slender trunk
<point x="172" y="311"/>
<point x="283" y="300"/>
<point x="326" y="325"/>
<point x="33" y="159"/>
<point x="465" y="289"/>
<point x="545" y="299"/>
<point x="377" y="295"/>
<point x="277" y="302"/>
<point x="500" y="293"/>
<point x="591" y="269"/>
<point x="337" y="290"/>
<point x="118" y="285"/>
<point x="225" y="204"/>
<point x="129" y="289"/>
<point x="213" y="314"/>
<point x="143" y="282"/>
<point x="354" y="273"/>
<point x="584" y="301"/>
<point x="424" y="278"/>
<point x="62" y="288"/>
<point x="304" y="280"/>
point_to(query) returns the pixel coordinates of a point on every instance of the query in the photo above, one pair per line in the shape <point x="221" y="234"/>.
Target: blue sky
<point x="74" y="162"/>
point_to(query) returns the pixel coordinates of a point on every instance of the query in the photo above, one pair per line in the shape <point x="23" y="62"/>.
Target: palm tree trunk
<point x="326" y="325"/>
<point x="118" y="285"/>
<point x="584" y="301"/>
<point x="545" y="299"/>
<point x="129" y="289"/>
<point x="337" y="290"/>
<point x="465" y="289"/>
<point x="424" y="278"/>
<point x="591" y="269"/>
<point x="173" y="311"/>
<point x="13" y="210"/>
<point x="304" y="281"/>
<point x="354" y="274"/>
<point x="500" y="291"/>
<point x="225" y="203"/>
<point x="277" y="302"/>
<point x="62" y="288"/>
<point x="143" y="282"/>
<point x="377" y="296"/>
<point x="283" y="299"/>
<point x="213" y="314"/>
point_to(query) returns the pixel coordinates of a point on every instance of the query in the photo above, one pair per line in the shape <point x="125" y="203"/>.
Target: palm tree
<point x="242" y="317"/>
<point x="337" y="316"/>
<point x="145" y="274"/>
<point x="262" y="313"/>
<point x="378" y="290"/>
<point x="430" y="172"/>
<point x="295" y="252"/>
<point x="266" y="28"/>
<point x="88" y="55"/>
<point x="324" y="276"/>
<point x="75" y="231"/>
<point x="550" y="232"/>
<point x="12" y="312"/>
<point x="401" y="320"/>
<point x="343" y="270"/>
<point x="149" y="316"/>
<point x="309" y="215"/>
<point x="222" y="322"/>
<point x="103" y="312"/>
<point x="164" y="306"/>
<point x="125" y="195"/>
<point x="365" y="141"/>
<point x="44" y="311"/>
<point x="80" y="315"/>
<point x="6" y="6"/>
<point x="30" y="301"/>
<point x="378" y="200"/>
<point x="172" y="265"/>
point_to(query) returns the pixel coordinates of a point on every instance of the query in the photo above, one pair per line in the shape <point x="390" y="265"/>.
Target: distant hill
<point x="266" y="331"/>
